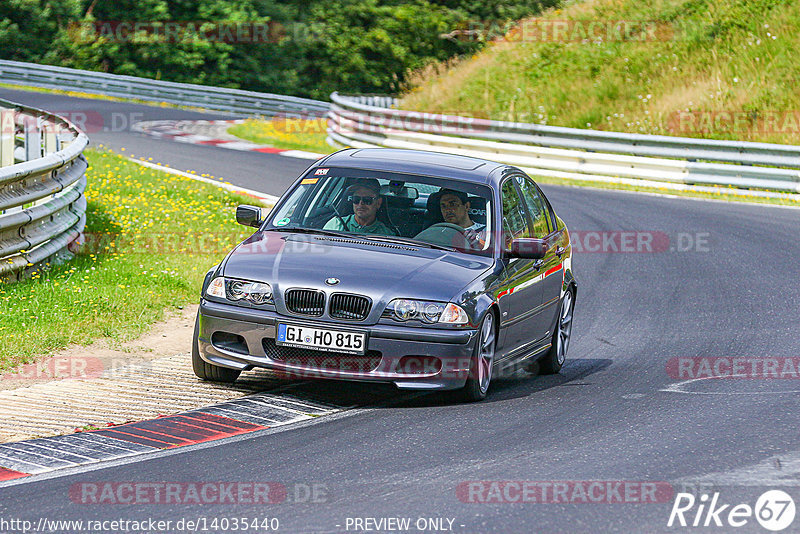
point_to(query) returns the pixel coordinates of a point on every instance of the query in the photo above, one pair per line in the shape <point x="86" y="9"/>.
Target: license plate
<point x="306" y="337"/>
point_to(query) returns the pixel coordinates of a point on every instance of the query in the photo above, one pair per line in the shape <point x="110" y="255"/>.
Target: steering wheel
<point x="446" y="225"/>
<point x="447" y="234"/>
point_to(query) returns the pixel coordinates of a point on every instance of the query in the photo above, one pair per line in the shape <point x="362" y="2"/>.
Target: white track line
<point x="272" y="199"/>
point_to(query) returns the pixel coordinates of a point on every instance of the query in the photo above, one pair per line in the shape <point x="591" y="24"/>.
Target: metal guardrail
<point x="567" y="152"/>
<point x="42" y="180"/>
<point x="232" y="101"/>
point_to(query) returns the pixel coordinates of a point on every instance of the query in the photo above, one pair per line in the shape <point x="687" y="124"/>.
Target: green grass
<point x="291" y="134"/>
<point x="709" y="56"/>
<point x="151" y="236"/>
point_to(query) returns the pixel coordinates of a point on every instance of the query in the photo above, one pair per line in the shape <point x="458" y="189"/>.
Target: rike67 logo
<point x="774" y="510"/>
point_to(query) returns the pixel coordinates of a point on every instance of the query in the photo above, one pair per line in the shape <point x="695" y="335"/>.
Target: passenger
<point x="365" y="195"/>
<point x="455" y="210"/>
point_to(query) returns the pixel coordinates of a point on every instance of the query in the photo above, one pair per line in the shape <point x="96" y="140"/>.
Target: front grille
<point x="329" y="361"/>
<point x="305" y="301"/>
<point x="353" y="307"/>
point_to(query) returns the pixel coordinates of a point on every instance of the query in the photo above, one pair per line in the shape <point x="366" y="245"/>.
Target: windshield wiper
<point x="414" y="242"/>
<point x="304" y="230"/>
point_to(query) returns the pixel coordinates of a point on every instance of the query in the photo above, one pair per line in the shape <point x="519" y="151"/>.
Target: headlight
<point x="259" y="292"/>
<point x="233" y="290"/>
<point x="425" y="311"/>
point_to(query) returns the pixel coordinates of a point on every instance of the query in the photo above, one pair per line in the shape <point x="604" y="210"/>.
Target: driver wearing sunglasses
<point x="366" y="200"/>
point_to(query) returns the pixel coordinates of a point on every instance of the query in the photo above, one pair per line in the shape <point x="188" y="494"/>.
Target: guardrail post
<point x="7" y="131"/>
<point x="33" y="138"/>
<point x="49" y="138"/>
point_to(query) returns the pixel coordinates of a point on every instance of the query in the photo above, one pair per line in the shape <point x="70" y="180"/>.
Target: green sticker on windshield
<point x="283" y="222"/>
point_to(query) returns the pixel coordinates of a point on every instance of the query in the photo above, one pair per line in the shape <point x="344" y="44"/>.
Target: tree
<point x="27" y="28"/>
<point x="312" y="47"/>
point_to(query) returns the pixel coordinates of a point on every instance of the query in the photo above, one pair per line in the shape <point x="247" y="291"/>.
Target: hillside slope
<point x="724" y="69"/>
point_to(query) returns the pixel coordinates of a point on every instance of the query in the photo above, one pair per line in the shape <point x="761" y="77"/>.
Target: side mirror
<point x="528" y="248"/>
<point x="248" y="215"/>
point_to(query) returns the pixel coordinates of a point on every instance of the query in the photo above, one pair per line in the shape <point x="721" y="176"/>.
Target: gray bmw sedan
<point x="427" y="270"/>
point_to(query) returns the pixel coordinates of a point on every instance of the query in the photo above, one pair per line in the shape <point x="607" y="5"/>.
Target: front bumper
<point x="257" y="328"/>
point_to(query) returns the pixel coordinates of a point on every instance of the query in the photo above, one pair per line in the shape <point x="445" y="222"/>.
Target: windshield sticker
<point x="283" y="222"/>
<point x="309" y="180"/>
<point x="320" y="172"/>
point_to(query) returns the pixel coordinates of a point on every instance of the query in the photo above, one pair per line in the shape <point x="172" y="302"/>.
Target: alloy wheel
<point x="564" y="327"/>
<point x="486" y="352"/>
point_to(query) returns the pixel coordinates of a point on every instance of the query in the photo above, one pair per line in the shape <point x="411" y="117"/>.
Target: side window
<point x="536" y="206"/>
<point x="515" y="221"/>
<point x="551" y="214"/>
<point x="326" y="190"/>
<point x="330" y="191"/>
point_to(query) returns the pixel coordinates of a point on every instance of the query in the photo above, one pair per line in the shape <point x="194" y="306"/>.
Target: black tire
<point x="552" y="362"/>
<point x="205" y="370"/>
<point x="477" y="385"/>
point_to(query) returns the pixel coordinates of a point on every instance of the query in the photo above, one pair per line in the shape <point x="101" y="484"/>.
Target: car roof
<point x="417" y="162"/>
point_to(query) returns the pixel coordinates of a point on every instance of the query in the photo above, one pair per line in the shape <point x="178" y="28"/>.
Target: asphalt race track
<point x="720" y="282"/>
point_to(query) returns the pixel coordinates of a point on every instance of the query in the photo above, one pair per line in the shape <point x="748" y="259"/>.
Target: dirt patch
<point x="166" y="338"/>
<point x="106" y="384"/>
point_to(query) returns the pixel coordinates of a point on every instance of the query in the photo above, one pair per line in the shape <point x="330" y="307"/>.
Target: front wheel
<point x="552" y="362"/>
<point x="480" y="372"/>
<point x="205" y="370"/>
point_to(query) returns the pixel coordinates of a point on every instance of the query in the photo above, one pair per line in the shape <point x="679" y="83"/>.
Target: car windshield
<point x="437" y="212"/>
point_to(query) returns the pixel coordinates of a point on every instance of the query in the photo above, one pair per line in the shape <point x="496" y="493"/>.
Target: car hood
<point x="379" y="270"/>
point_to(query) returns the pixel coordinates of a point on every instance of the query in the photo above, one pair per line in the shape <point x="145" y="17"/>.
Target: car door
<point x="543" y="221"/>
<point x="520" y="294"/>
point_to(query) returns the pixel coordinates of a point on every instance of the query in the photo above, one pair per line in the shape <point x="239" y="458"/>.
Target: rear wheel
<point x="552" y="362"/>
<point x="480" y="372"/>
<point x="208" y="371"/>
